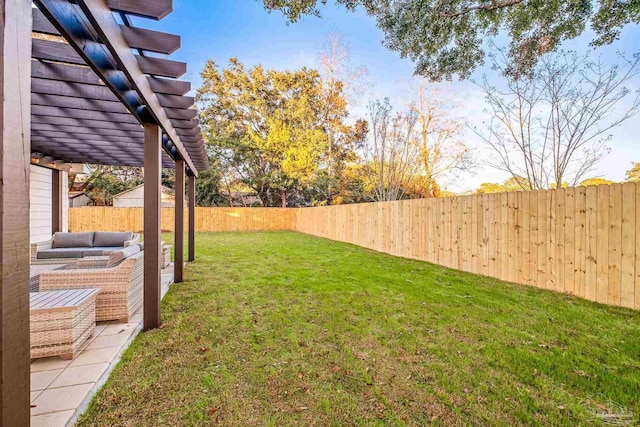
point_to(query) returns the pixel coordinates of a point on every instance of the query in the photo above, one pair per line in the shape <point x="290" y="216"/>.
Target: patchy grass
<point x="285" y="329"/>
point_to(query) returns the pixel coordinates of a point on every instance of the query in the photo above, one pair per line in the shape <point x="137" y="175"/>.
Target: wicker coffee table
<point x="61" y="321"/>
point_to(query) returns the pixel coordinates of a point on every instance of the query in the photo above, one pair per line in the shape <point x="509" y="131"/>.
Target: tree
<point x="596" y="181"/>
<point x="268" y="123"/>
<point x="441" y="150"/>
<point x="104" y="182"/>
<point x="341" y="82"/>
<point x="391" y="153"/>
<point x="633" y="174"/>
<point x="553" y="126"/>
<point x="445" y="38"/>
<point x="511" y="184"/>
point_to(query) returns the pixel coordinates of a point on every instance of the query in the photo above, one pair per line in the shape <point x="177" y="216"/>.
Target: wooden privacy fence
<point x="207" y="219"/>
<point x="584" y="241"/>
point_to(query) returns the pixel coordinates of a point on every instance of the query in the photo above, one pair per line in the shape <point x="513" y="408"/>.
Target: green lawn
<point x="285" y="329"/>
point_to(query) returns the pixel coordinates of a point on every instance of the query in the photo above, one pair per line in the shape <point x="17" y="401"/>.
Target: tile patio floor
<point x="62" y="389"/>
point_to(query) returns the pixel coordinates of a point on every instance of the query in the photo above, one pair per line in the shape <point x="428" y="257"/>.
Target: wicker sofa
<point x="119" y="278"/>
<point x="66" y="248"/>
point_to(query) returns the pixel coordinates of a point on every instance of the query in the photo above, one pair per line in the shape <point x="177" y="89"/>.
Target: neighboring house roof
<point x="164" y="189"/>
<point x="73" y="196"/>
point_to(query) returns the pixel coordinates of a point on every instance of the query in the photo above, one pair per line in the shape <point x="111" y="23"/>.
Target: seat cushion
<point x="108" y="238"/>
<point x="99" y="250"/>
<point x="73" y="240"/>
<point x="60" y="253"/>
<point x="117" y="257"/>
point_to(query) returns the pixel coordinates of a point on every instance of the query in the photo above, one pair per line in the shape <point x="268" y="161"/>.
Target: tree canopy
<point x="445" y="38"/>
<point x="272" y="127"/>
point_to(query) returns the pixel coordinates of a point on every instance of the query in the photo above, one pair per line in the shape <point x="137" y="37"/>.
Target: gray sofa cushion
<point x="100" y="250"/>
<point x="73" y="240"/>
<point x="107" y="238"/>
<point x="117" y="257"/>
<point x="60" y="253"/>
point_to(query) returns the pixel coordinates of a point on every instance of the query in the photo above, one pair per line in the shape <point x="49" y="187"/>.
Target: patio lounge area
<point x="79" y="87"/>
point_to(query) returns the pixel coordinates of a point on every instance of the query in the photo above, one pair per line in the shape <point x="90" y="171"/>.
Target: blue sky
<point x="220" y="29"/>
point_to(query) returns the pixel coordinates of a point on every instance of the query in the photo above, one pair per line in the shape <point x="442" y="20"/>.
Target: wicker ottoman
<point x="61" y="321"/>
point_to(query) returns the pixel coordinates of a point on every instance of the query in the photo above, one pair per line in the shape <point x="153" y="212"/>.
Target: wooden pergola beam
<point x="161" y="67"/>
<point x="169" y="86"/>
<point x="192" y="219"/>
<point x="178" y="236"/>
<point x="151" y="41"/>
<point x="174" y="113"/>
<point x="153" y="9"/>
<point x="15" y="150"/>
<point x="152" y="216"/>
<point x="78" y="129"/>
<point x="101" y="116"/>
<point x="92" y="126"/>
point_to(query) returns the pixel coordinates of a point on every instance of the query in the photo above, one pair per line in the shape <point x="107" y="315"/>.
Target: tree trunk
<point x="284" y="199"/>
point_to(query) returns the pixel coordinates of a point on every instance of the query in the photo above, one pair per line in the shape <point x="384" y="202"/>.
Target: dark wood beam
<point x="153" y="9"/>
<point x="15" y="151"/>
<point x="184" y="124"/>
<point x="192" y="219"/>
<point x="174" y="113"/>
<point x="178" y="236"/>
<point x="152" y="216"/>
<point x="151" y="41"/>
<point x="173" y="101"/>
<point x="76" y="90"/>
<point x="169" y="86"/>
<point x="193" y="132"/>
<point x="78" y="103"/>
<point x="64" y="73"/>
<point x="55" y="51"/>
<point x="56" y="201"/>
<point x="161" y="67"/>
<point x="80" y="130"/>
<point x="101" y="116"/>
<point x="42" y="25"/>
<point x="92" y="126"/>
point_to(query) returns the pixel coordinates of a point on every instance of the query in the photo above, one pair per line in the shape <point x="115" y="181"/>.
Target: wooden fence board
<point x="615" y="243"/>
<point x="628" y="248"/>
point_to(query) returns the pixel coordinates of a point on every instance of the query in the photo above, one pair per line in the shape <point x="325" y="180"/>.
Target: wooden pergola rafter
<point x="79" y="87"/>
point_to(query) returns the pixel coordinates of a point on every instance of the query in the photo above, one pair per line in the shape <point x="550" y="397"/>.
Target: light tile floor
<point x="62" y="389"/>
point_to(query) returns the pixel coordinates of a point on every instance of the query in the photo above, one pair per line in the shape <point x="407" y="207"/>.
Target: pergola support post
<point x="152" y="216"/>
<point x="15" y="123"/>
<point x="56" y="201"/>
<point x="178" y="246"/>
<point x="192" y="218"/>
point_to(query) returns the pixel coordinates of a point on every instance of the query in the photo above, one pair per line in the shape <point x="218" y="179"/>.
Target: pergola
<point x="99" y="91"/>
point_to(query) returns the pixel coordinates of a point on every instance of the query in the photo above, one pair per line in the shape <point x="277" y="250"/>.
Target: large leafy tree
<point x="445" y="37"/>
<point x="270" y="126"/>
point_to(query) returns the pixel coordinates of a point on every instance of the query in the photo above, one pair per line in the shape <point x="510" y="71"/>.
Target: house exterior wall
<point x="40" y="212"/>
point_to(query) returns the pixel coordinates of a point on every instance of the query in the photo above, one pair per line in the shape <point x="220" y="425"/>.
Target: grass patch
<point x="285" y="329"/>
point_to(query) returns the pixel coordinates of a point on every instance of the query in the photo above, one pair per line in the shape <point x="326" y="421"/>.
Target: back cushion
<point x="106" y="238"/>
<point x="73" y="240"/>
<point x="117" y="257"/>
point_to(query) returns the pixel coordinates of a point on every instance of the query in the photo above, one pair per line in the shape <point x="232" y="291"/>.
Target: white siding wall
<point x="40" y="198"/>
